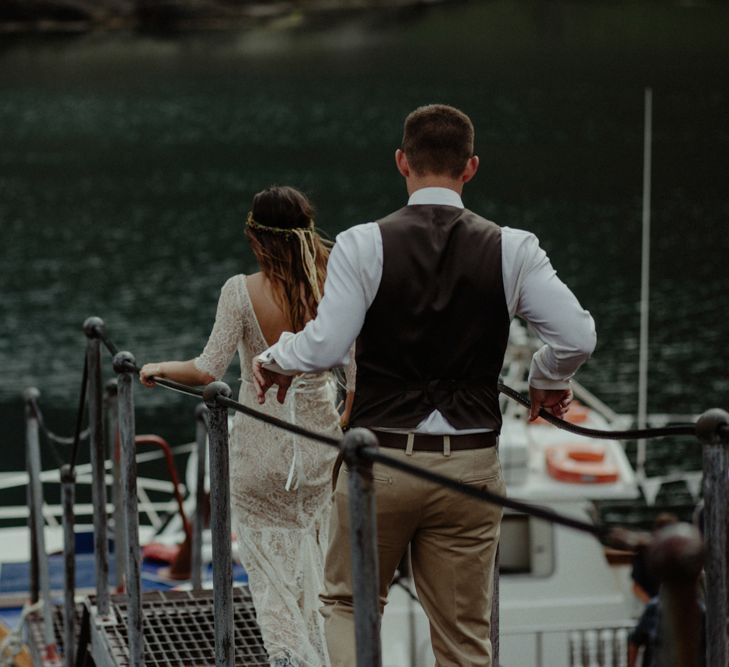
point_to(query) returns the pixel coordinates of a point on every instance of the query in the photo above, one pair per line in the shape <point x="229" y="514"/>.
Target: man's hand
<point x="556" y="401"/>
<point x="265" y="379"/>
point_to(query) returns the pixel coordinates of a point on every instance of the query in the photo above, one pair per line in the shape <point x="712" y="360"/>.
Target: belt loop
<point x="411" y="442"/>
<point x="446" y="445"/>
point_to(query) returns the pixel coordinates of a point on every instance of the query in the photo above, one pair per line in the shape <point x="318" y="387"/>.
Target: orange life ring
<point x="581" y="464"/>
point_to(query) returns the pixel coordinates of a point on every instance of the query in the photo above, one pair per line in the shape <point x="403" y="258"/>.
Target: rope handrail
<point x="55" y="439"/>
<point x="608" y="536"/>
<point x="603" y="533"/>
<point x="51" y="435"/>
<point x="628" y="434"/>
<point x="378" y="456"/>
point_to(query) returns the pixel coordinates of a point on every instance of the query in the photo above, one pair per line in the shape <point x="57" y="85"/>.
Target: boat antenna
<point x="645" y="280"/>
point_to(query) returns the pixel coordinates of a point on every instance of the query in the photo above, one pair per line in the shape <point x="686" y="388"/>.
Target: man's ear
<point x="471" y="168"/>
<point x="401" y="161"/>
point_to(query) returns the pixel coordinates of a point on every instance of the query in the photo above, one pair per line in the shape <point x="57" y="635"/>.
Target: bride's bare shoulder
<point x="254" y="281"/>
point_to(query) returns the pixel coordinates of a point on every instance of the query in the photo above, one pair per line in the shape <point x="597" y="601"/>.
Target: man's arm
<point x="353" y="276"/>
<point x="535" y="293"/>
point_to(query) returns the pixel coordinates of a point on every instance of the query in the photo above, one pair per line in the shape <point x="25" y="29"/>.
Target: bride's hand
<point x="147" y="372"/>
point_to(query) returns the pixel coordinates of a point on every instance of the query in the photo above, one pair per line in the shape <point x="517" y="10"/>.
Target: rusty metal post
<point x="220" y="524"/>
<point x="94" y="328"/>
<point x="495" y="599"/>
<point x="712" y="430"/>
<point x="677" y="556"/>
<point x="68" y="483"/>
<point x="111" y="401"/>
<point x="201" y="434"/>
<point x="125" y="366"/>
<point x="363" y="539"/>
<point x="31" y="433"/>
<point x="35" y="485"/>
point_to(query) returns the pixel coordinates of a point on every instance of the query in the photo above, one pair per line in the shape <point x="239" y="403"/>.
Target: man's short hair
<point x="438" y="139"/>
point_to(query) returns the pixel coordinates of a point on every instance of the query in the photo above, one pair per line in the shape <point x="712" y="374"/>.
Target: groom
<point x="428" y="293"/>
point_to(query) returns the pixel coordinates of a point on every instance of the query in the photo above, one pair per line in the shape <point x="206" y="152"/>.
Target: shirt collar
<point x="436" y="197"/>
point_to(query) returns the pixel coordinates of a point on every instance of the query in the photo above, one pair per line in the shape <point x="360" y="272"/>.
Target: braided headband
<point x="306" y="247"/>
<point x="250" y="222"/>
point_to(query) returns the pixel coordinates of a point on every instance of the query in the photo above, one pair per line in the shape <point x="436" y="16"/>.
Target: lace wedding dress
<point x="280" y="487"/>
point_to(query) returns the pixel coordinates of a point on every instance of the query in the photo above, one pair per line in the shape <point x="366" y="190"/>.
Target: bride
<point x="280" y="483"/>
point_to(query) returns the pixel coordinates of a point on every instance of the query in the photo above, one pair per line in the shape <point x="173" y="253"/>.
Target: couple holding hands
<point x="417" y="308"/>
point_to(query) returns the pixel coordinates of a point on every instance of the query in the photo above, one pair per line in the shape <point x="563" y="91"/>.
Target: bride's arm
<point x="184" y="372"/>
<point x="219" y="350"/>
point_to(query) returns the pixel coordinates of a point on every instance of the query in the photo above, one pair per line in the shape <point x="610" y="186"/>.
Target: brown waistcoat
<point x="436" y="332"/>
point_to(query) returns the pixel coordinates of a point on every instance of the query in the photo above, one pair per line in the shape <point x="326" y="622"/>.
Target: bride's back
<point x="271" y="318"/>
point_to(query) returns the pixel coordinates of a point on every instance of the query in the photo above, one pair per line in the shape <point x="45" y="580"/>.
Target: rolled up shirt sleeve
<point x="551" y="309"/>
<point x="353" y="274"/>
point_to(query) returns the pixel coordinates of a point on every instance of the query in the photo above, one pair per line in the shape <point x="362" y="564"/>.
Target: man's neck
<point x="415" y="183"/>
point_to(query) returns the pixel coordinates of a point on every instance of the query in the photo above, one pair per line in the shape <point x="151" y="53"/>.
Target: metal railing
<point x="676" y="552"/>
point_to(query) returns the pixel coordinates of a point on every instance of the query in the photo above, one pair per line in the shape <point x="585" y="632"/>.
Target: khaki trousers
<point x="453" y="542"/>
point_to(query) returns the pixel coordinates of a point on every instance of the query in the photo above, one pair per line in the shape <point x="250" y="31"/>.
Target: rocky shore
<point x="87" y="15"/>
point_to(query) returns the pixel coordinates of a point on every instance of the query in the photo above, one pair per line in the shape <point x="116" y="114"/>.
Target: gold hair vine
<point x="276" y="230"/>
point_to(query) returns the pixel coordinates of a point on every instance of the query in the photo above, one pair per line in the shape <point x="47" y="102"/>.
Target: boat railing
<point x="53" y="513"/>
<point x="585" y="644"/>
<point x="677" y="553"/>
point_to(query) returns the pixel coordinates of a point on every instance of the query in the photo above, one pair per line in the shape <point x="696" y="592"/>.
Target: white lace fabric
<point x="280" y="487"/>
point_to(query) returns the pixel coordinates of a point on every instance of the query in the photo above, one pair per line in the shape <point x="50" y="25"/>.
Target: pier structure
<point x="218" y="627"/>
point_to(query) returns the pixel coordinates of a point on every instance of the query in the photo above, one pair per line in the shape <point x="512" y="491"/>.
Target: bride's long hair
<point x="291" y="254"/>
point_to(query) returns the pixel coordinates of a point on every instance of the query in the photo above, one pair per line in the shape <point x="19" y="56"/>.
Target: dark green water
<point x="127" y="163"/>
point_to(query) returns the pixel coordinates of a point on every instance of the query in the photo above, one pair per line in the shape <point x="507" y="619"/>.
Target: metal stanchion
<point x="31" y="434"/>
<point x="68" y="482"/>
<point x="111" y="402"/>
<point x="201" y="434"/>
<point x="676" y="555"/>
<point x="712" y="429"/>
<point x="124" y="365"/>
<point x="43" y="584"/>
<point x="220" y="524"/>
<point x="495" y="600"/>
<point x="93" y="327"/>
<point x="363" y="538"/>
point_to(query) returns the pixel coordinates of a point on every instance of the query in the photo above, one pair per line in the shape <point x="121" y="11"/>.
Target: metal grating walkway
<point x="178" y="631"/>
<point x="34" y="630"/>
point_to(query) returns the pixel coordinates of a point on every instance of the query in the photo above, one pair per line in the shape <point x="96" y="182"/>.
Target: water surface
<point x="127" y="163"/>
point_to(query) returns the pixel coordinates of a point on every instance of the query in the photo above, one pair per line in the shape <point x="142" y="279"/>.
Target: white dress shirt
<point x="531" y="287"/>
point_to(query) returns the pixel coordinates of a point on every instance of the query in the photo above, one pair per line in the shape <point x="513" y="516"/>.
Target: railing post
<point x="676" y="555"/>
<point x="712" y="429"/>
<point x="201" y="434"/>
<point x="363" y="539"/>
<point x="220" y="524"/>
<point x="31" y="434"/>
<point x="495" y="601"/>
<point x="42" y="585"/>
<point x="93" y="328"/>
<point x="124" y="365"/>
<point x="111" y="402"/>
<point x="68" y="482"/>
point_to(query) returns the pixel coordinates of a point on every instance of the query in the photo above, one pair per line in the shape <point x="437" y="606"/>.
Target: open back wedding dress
<point x="280" y="487"/>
